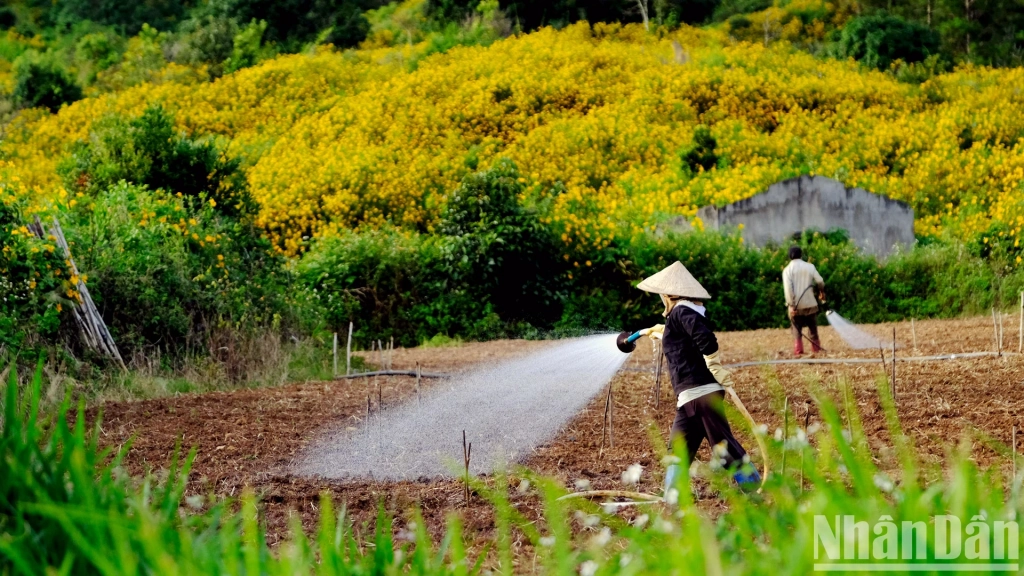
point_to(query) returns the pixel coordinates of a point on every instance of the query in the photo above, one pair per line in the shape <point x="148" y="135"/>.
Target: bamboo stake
<point x="1020" y="333"/>
<point x="335" y="352"/>
<point x="657" y="379"/>
<point x="467" y="452"/>
<point x="1001" y="331"/>
<point x="368" y="414"/>
<point x="604" y="421"/>
<point x="803" y="452"/>
<point x="611" y="417"/>
<point x="391" y="353"/>
<point x="419" y="400"/>
<point x="995" y="332"/>
<point x="380" y="354"/>
<point x="785" y="433"/>
<point x="348" y="352"/>
<point x="913" y="333"/>
<point x="893" y="387"/>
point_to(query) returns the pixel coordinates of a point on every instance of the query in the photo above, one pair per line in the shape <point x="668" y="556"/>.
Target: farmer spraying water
<point x="798" y="280"/>
<point x="698" y="379"/>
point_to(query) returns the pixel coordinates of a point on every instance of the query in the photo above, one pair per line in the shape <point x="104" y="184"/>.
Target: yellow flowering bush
<point x="34" y="278"/>
<point x="596" y="118"/>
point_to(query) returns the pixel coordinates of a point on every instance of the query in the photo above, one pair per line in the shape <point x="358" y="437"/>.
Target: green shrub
<point x="40" y="81"/>
<point x="701" y="155"/>
<point x="165" y="274"/>
<point x="727" y="9"/>
<point x="149" y="151"/>
<point x="880" y="40"/>
<point x="208" y="41"/>
<point x="490" y="266"/>
<point x="294" y="23"/>
<point x="246" y="47"/>
<point x="497" y="251"/>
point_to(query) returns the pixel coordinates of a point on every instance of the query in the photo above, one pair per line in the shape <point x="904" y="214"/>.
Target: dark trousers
<point x="797" y="323"/>
<point x="705" y="418"/>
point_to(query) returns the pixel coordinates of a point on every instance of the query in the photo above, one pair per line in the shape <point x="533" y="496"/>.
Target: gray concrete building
<point x="874" y="222"/>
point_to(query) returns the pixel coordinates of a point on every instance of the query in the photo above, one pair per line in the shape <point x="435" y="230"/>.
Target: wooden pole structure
<point x="348" y="352"/>
<point x="995" y="332"/>
<point x="380" y="354"/>
<point x="391" y="353"/>
<point x="91" y="326"/>
<point x="419" y="400"/>
<point x="335" y="372"/>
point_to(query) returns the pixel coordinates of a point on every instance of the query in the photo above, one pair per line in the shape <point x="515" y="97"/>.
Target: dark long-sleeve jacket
<point x="687" y="339"/>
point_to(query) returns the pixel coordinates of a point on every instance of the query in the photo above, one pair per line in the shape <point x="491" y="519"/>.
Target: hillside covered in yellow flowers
<point x="597" y="119"/>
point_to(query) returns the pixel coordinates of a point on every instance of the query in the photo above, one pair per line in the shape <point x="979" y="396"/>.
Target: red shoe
<point x="798" y="348"/>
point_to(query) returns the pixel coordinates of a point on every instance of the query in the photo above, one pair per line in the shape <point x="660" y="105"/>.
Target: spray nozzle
<point x="626" y="342"/>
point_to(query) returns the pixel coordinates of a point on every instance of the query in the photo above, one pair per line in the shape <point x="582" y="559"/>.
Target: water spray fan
<point x="626" y="342"/>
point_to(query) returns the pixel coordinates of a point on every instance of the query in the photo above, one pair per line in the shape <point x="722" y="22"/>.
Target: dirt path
<point x="248" y="437"/>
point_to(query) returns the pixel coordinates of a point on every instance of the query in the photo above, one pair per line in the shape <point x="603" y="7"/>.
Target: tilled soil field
<point x="250" y="437"/>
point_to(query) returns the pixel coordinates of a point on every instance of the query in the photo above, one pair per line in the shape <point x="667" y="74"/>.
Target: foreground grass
<point x="66" y="508"/>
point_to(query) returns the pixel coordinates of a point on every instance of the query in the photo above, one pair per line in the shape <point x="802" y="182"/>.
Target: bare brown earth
<point x="248" y="437"/>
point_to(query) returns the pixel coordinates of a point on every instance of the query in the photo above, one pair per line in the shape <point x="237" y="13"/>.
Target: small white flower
<point x="195" y="501"/>
<point x="524" y="486"/>
<point x="670" y="459"/>
<point x="847" y="435"/>
<point x="761" y="430"/>
<point x="883" y="483"/>
<point x="602" y="538"/>
<point x="610" y="508"/>
<point x="778" y="434"/>
<point x="801" y="435"/>
<point x="547" y="541"/>
<point x="662" y="525"/>
<point x="813" y="428"/>
<point x="632" y="474"/>
<point x="641" y="520"/>
<point x="588" y="568"/>
<point x="582" y="485"/>
<point x="625" y="559"/>
<point x="588" y="520"/>
<point x="672" y="497"/>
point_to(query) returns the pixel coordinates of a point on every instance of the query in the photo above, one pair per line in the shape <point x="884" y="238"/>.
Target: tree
<point x="879" y="40"/>
<point x="40" y="81"/>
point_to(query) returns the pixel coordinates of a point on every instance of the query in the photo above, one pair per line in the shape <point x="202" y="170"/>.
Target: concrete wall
<point x="875" y="223"/>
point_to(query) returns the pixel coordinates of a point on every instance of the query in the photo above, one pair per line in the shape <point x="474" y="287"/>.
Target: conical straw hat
<point x="675" y="280"/>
